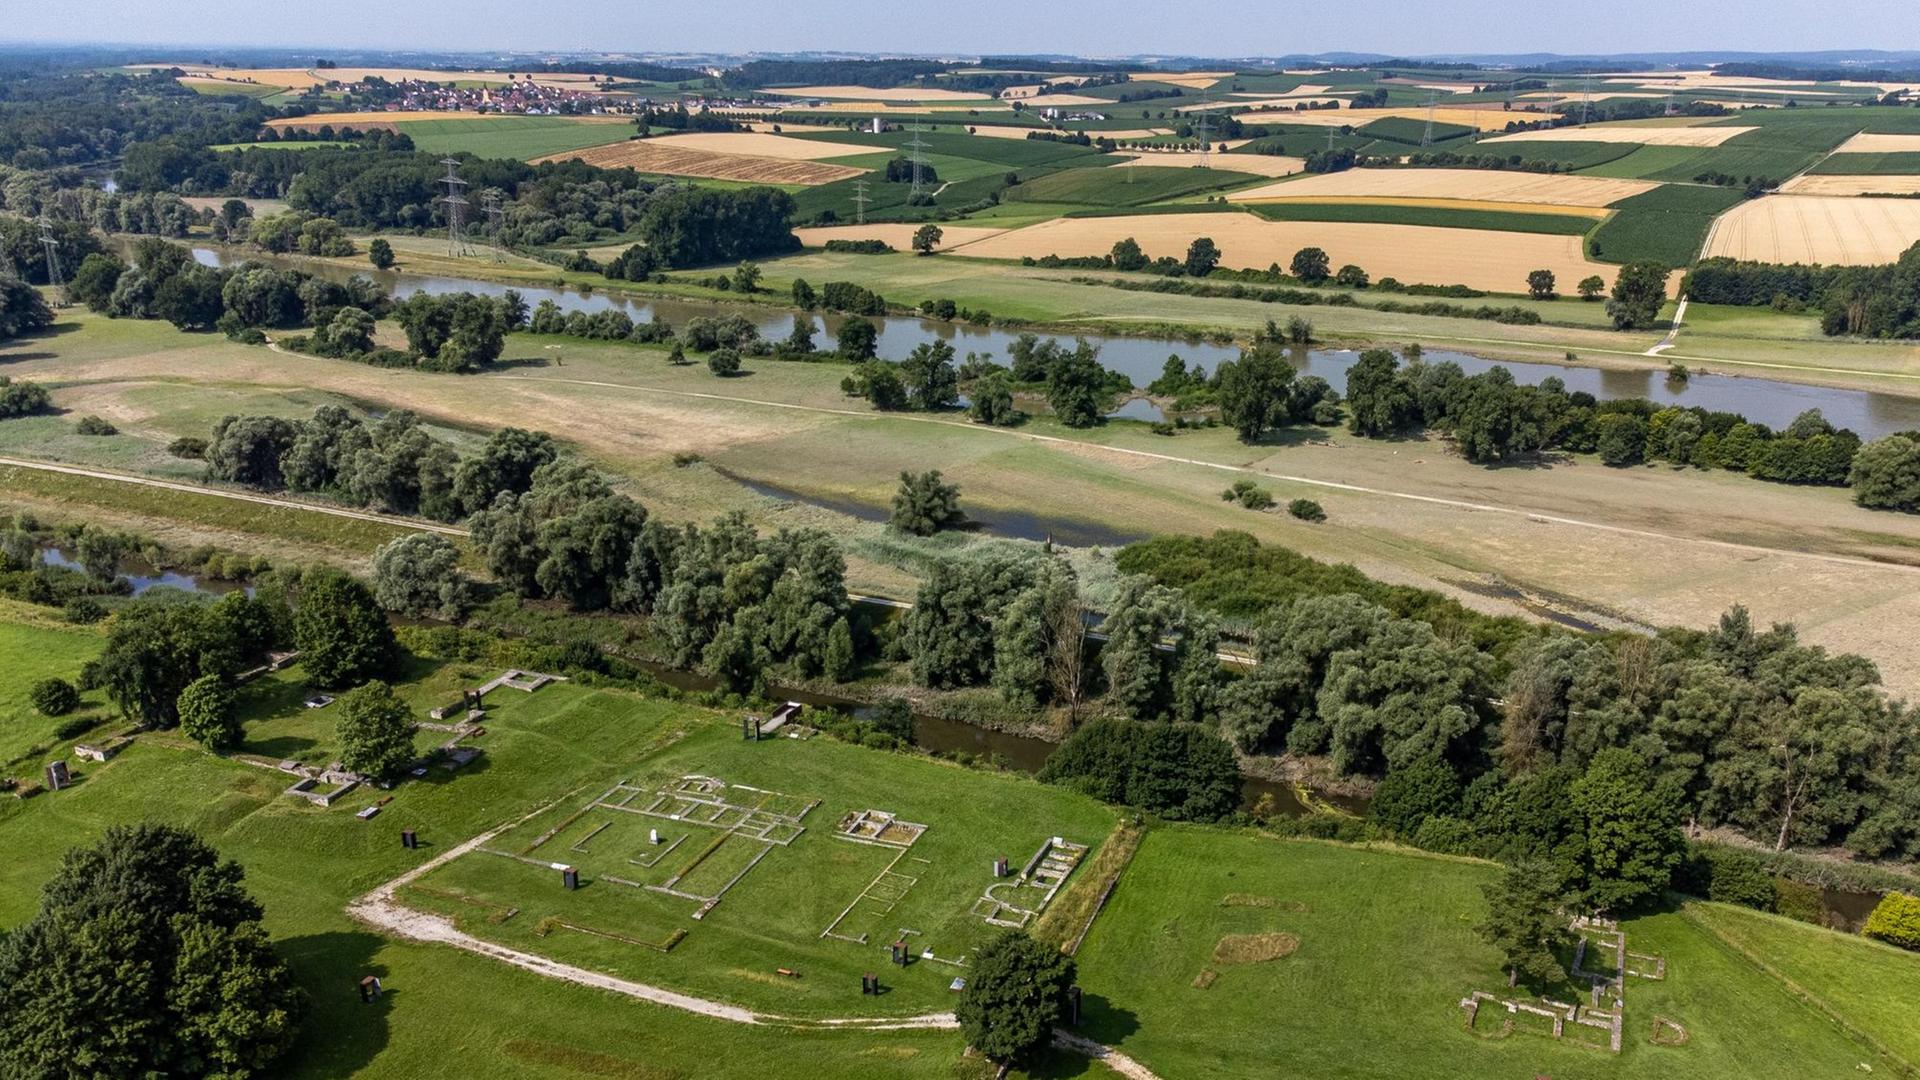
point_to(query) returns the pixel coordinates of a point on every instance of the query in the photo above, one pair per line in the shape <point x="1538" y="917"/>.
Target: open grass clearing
<point x="304" y="863"/>
<point x="39" y="645"/>
<point x="1386" y="948"/>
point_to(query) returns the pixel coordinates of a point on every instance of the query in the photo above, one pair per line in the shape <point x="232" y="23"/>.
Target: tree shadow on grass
<point x="283" y="747"/>
<point x="340" y="1035"/>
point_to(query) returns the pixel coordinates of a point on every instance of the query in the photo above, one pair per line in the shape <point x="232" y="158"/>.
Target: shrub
<point x="208" y="714"/>
<point x="187" y="446"/>
<point x="724" y="362"/>
<point x="1247" y="494"/>
<point x="54" y="697"/>
<point x="94" y="425"/>
<point x="1306" y="510"/>
<point x="84" y="610"/>
<point x="1895" y="920"/>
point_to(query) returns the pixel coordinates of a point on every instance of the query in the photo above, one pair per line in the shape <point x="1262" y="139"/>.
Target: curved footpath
<point x="379" y="909"/>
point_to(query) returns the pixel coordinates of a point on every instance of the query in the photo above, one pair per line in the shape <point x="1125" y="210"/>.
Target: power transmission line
<point x="52" y="246"/>
<point x="914" y="147"/>
<point x="456" y="205"/>
<point x="860" y="201"/>
<point x="490" y="206"/>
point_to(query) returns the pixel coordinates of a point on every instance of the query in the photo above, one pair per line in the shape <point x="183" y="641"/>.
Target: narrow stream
<point x="143" y="576"/>
<point x="1768" y="401"/>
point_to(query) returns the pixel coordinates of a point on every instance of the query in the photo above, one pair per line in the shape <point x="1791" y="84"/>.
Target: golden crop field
<point x="755" y="144"/>
<point x="1870" y="143"/>
<point x="1414" y="254"/>
<point x="868" y="93"/>
<point x="660" y="156"/>
<point x="1870" y="184"/>
<point x="1835" y="230"/>
<point x="1478" y="119"/>
<point x="1258" y="164"/>
<point x="365" y="121"/>
<point x="1616" y="133"/>
<point x="1483" y="185"/>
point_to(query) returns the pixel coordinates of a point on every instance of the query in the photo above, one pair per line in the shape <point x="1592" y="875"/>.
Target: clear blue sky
<point x="1092" y="27"/>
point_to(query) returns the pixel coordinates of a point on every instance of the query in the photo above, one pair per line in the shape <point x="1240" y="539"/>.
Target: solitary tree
<point x="1638" y="292"/>
<point x="1886" y="474"/>
<point x="746" y="277"/>
<point x="375" y="732"/>
<point x="208" y="713"/>
<point x="419" y="574"/>
<point x="146" y="958"/>
<point x="380" y="253"/>
<point x="1525" y="922"/>
<point x="1202" y="257"/>
<point x="1253" y="392"/>
<point x="858" y="340"/>
<point x="342" y="634"/>
<point x="926" y="238"/>
<point x="724" y="362"/>
<point x="1591" y="287"/>
<point x="1016" y="988"/>
<point x="1311" y="265"/>
<point x="925" y="504"/>
<point x="1540" y="285"/>
<point x="53" y="697"/>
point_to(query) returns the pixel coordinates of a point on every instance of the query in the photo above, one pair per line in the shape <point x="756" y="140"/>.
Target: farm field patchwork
<point x="720" y="862"/>
<point x="1451" y="184"/>
<point x="1817" y="229"/>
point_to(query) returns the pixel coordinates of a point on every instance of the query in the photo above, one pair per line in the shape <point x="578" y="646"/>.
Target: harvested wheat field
<point x="899" y="236"/>
<point x="754" y="144"/>
<point x="1478" y="119"/>
<point x="1870" y="143"/>
<point x="868" y="93"/>
<point x="1614" y="133"/>
<point x="661" y="156"/>
<point x="1416" y="254"/>
<point x="1303" y="90"/>
<point x="1258" y="164"/>
<point x="1871" y="184"/>
<point x="1817" y="229"/>
<point x="1193" y="80"/>
<point x="385" y="119"/>
<point x="1484" y="185"/>
<point x="1064" y="101"/>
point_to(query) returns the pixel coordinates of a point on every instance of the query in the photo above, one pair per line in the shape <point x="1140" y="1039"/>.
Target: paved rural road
<point x="1335" y="485"/>
<point x="240" y="496"/>
<point x="1673" y="333"/>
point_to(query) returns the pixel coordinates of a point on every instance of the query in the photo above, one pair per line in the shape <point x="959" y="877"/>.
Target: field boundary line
<point x="1334" y="485"/>
<point x="240" y="496"/>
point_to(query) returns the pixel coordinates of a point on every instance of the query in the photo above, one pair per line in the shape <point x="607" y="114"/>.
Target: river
<point x="1768" y="401"/>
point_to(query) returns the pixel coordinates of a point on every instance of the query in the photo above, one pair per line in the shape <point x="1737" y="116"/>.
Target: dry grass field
<point x="1870" y="143"/>
<point x="868" y="93"/>
<point x="302" y="78"/>
<point x="672" y="158"/>
<point x="1450" y="184"/>
<point x="1830" y="229"/>
<point x="1414" y="254"/>
<point x="1615" y="133"/>
<point x="1869" y="184"/>
<point x="1479" y="119"/>
<point x="1258" y="164"/>
<point x="754" y="144"/>
<point x="900" y="236"/>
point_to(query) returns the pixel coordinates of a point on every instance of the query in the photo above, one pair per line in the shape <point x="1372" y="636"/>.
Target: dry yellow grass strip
<point x="1872" y="143"/>
<point x="1475" y="184"/>
<point x="1065" y="101"/>
<point x="1816" y="184"/>
<point x="1419" y="254"/>
<point x="361" y="121"/>
<point x="1593" y="212"/>
<point x="1817" y="229"/>
<point x="868" y="93"/>
<point x="755" y="144"/>
<point x="1615" y="133"/>
<point x="900" y="236"/>
<point x="1479" y="119"/>
<point x="1258" y="164"/>
<point x="1196" y="80"/>
<point x="657" y="156"/>
<point x="1206" y="978"/>
<point x="1254" y="948"/>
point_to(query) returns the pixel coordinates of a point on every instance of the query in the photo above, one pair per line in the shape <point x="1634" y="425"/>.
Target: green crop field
<point x="1897" y="164"/>
<point x="1552" y="224"/>
<point x="1666" y="225"/>
<point x="1646" y="161"/>
<point x="1126" y="185"/>
<point x="1575" y="155"/>
<point x="520" y="137"/>
<point x="1406" y="129"/>
<point x="1383" y="950"/>
<point x="801" y="896"/>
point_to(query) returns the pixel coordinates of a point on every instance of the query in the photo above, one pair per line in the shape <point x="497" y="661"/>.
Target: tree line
<point x="1868" y="301"/>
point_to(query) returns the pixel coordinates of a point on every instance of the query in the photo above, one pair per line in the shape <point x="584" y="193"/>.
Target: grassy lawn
<point x="1868" y="984"/>
<point x="442" y="1016"/>
<point x="1386" y="948"/>
<point x="39" y="645"/>
<point x="774" y="917"/>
